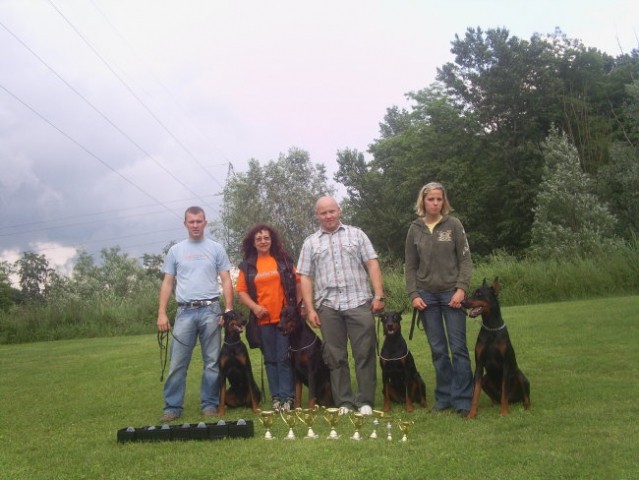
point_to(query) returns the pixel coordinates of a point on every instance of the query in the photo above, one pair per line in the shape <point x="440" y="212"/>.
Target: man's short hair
<point x="194" y="211"/>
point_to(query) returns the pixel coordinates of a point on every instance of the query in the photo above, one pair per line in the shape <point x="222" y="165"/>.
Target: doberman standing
<point x="401" y="382"/>
<point x="503" y="382"/>
<point x="306" y="355"/>
<point x="235" y="365"/>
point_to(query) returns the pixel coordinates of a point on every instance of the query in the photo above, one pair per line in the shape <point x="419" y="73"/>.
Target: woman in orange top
<point x="266" y="283"/>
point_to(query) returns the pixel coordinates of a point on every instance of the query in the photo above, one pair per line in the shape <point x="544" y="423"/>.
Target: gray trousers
<point x="356" y="325"/>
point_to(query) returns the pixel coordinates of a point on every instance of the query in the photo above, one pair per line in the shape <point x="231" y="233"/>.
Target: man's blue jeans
<point x="192" y="324"/>
<point x="278" y="366"/>
<point x="445" y="329"/>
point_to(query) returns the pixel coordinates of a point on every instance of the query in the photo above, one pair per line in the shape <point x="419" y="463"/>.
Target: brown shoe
<point x="210" y="412"/>
<point x="169" y="417"/>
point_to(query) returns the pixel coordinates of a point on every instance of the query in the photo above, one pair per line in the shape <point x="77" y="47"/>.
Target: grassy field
<point x="63" y="402"/>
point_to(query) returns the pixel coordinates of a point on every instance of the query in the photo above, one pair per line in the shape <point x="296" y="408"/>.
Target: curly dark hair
<point x="248" y="243"/>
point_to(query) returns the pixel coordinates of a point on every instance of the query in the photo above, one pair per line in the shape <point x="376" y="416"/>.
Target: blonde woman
<point x="437" y="274"/>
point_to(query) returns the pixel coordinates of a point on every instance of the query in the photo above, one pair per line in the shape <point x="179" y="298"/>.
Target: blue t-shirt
<point x="196" y="266"/>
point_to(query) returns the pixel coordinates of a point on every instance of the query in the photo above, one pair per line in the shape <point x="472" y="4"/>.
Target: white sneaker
<point x="366" y="410"/>
<point x="344" y="411"/>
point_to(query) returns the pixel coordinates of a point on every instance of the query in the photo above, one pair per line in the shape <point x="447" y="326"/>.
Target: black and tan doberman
<point x="306" y="356"/>
<point x="401" y="382"/>
<point x="502" y="381"/>
<point x="235" y="366"/>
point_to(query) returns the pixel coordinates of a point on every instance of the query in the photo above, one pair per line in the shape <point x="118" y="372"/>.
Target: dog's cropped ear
<point x="496" y="286"/>
<point x="230" y="315"/>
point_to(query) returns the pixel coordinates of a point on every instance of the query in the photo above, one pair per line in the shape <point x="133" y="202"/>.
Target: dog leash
<point x="163" y="343"/>
<point x="412" y="324"/>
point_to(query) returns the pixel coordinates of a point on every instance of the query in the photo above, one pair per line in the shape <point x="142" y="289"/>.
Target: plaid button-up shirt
<point x="337" y="263"/>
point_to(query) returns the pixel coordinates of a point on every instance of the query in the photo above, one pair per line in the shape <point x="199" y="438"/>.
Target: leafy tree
<point x="7" y="292"/>
<point x="119" y="274"/>
<point x="569" y="220"/>
<point x="34" y="274"/>
<point x="85" y="282"/>
<point x="618" y="182"/>
<point x="153" y="263"/>
<point x="281" y="193"/>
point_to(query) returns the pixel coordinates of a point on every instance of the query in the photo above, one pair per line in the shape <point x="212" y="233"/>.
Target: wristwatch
<point x="381" y="299"/>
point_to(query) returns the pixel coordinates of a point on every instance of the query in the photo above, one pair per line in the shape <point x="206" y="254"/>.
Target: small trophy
<point x="357" y="419"/>
<point x="389" y="428"/>
<point x="307" y="416"/>
<point x="266" y="417"/>
<point x="290" y="419"/>
<point x="331" y="415"/>
<point x="377" y="416"/>
<point x="405" y="426"/>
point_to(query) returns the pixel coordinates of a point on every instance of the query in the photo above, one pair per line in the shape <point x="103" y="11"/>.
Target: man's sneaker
<point x="288" y="405"/>
<point x="276" y="405"/>
<point x="344" y="410"/>
<point x="210" y="412"/>
<point x="366" y="410"/>
<point x="169" y="417"/>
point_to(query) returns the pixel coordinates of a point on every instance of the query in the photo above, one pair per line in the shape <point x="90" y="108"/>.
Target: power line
<point x="130" y="90"/>
<point x="141" y="59"/>
<point x="92" y="214"/>
<point x="69" y="137"/>
<point x="99" y="112"/>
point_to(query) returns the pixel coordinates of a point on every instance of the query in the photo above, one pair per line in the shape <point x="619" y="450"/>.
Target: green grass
<point x="63" y="402"/>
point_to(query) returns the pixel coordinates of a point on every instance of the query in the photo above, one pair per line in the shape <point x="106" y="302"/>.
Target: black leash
<point x="163" y="343"/>
<point x="412" y="324"/>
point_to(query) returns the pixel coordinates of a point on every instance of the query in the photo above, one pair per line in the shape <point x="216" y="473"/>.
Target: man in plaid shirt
<point x="338" y="266"/>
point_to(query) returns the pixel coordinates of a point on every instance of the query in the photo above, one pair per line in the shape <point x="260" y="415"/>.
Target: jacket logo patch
<point x="445" y="236"/>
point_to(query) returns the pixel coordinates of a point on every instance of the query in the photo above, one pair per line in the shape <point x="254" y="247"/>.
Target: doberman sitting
<point x="235" y="366"/>
<point x="306" y="356"/>
<point x="401" y="382"/>
<point x="503" y="382"/>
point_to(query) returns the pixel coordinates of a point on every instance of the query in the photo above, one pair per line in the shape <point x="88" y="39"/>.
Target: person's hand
<point x="163" y="322"/>
<point x="457" y="298"/>
<point x="377" y="306"/>
<point x="313" y="319"/>
<point x="419" y="303"/>
<point x="259" y="311"/>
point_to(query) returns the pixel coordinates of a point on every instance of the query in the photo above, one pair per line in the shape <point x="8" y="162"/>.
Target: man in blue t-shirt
<point x="193" y="266"/>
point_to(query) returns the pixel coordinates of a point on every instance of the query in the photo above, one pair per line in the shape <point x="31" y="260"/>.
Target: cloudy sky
<point x="116" y="115"/>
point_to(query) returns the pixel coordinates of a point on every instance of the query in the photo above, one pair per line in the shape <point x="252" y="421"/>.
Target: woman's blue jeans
<point x="445" y="329"/>
<point x="192" y="324"/>
<point x="277" y="363"/>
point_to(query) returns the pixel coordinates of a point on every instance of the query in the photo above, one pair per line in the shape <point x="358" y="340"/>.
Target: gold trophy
<point x="307" y="416"/>
<point x="290" y="419"/>
<point x="377" y="416"/>
<point x="266" y="417"/>
<point x="405" y="426"/>
<point x="357" y="419"/>
<point x="331" y="415"/>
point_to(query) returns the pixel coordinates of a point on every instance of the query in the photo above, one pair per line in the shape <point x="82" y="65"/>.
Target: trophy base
<point x="311" y="435"/>
<point x="333" y="436"/>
